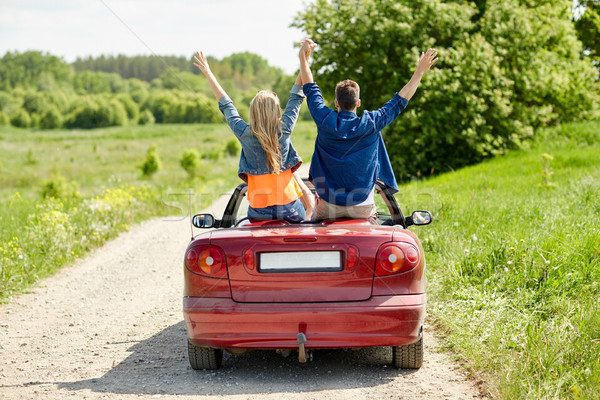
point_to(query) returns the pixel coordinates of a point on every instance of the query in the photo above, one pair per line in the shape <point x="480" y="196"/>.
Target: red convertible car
<point x="299" y="287"/>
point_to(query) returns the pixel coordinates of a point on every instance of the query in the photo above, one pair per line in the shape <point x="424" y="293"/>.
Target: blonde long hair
<point x="265" y="123"/>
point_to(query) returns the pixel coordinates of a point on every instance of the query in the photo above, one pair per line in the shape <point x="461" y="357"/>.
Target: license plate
<point x="300" y="261"/>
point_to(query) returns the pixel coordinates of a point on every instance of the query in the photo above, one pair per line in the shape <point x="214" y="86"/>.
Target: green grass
<point x="514" y="265"/>
<point x="101" y="189"/>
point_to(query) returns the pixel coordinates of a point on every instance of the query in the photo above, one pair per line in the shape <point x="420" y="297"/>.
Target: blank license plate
<point x="300" y="261"/>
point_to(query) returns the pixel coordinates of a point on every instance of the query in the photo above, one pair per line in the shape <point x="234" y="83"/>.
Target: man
<point x="349" y="153"/>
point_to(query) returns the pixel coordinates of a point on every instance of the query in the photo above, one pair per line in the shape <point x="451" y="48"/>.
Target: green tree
<point x="506" y="68"/>
<point x="587" y="24"/>
<point x="28" y="69"/>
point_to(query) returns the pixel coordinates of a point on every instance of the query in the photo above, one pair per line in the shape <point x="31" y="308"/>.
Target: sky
<point x="81" y="28"/>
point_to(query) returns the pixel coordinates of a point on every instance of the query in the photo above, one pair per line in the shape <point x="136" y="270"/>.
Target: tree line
<point x="42" y="91"/>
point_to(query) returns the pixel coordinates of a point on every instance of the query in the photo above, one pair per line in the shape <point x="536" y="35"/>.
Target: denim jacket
<point x="350" y="154"/>
<point x="253" y="160"/>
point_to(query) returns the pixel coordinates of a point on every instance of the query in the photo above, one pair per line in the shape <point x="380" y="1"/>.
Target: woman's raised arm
<point x="202" y="64"/>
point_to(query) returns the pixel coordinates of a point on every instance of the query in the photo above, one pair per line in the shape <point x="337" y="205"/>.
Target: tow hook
<point x="301" y="350"/>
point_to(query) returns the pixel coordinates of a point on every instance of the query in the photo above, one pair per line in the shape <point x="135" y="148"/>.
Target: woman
<point x="268" y="160"/>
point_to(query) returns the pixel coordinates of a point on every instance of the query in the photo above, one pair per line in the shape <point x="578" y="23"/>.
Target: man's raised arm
<point x="425" y="62"/>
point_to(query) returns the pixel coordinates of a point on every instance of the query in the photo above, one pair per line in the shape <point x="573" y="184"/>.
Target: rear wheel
<point x="204" y="357"/>
<point x="409" y="356"/>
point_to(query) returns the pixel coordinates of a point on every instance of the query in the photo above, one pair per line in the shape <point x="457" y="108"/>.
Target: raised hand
<point x="307" y="47"/>
<point x="201" y="62"/>
<point x="426" y="60"/>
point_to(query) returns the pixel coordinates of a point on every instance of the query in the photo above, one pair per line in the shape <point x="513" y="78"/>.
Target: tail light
<point x="206" y="260"/>
<point x="249" y="259"/>
<point x="393" y="258"/>
<point x="351" y="258"/>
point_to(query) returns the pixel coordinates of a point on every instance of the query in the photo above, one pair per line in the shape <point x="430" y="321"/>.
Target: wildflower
<point x="474" y="238"/>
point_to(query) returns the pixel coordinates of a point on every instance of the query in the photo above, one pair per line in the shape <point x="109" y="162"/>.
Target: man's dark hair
<point x="347" y="94"/>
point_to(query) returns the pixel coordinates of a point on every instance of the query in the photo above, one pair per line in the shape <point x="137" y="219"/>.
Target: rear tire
<point x="204" y="357"/>
<point x="409" y="356"/>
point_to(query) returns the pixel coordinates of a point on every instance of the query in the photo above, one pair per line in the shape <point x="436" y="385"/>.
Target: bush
<point x="59" y="188"/>
<point x="159" y="103"/>
<point x="4" y="119"/>
<point x="232" y="147"/>
<point x="152" y="163"/>
<point x="118" y="112"/>
<point x="51" y="119"/>
<point x="132" y="109"/>
<point x="21" y="119"/>
<point x="138" y="90"/>
<point x="35" y="102"/>
<point x="9" y="103"/>
<point x="146" y="117"/>
<point x="88" y="116"/>
<point x="190" y="161"/>
<point x="97" y="113"/>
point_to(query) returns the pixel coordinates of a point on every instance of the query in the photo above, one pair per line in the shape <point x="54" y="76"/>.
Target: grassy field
<point x="514" y="265"/>
<point x="100" y="189"/>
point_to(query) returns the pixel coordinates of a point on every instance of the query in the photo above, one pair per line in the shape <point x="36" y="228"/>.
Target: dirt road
<point x="110" y="327"/>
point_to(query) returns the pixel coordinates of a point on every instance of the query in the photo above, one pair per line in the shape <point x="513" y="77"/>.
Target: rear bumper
<point x="379" y="321"/>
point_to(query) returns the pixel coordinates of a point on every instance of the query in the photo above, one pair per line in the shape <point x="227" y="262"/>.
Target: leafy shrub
<point x="138" y="90"/>
<point x="97" y="82"/>
<point x="159" y="103"/>
<point x="212" y="153"/>
<point x="4" y="119"/>
<point x="190" y="161"/>
<point x="51" y="119"/>
<point x="97" y="113"/>
<point x="90" y="115"/>
<point x="59" y="188"/>
<point x="119" y="113"/>
<point x="21" y="119"/>
<point x="35" y="102"/>
<point x="152" y="163"/>
<point x="9" y="103"/>
<point x="132" y="109"/>
<point x="232" y="147"/>
<point x="31" y="159"/>
<point x="146" y="117"/>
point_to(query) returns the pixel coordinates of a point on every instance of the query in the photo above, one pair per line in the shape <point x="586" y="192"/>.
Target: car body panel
<point x="379" y="321"/>
<point x="349" y="284"/>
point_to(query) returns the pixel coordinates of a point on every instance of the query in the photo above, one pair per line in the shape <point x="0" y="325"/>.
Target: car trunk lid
<point x="309" y="263"/>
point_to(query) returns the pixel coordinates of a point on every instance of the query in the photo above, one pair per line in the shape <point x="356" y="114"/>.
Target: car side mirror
<point x="203" y="221"/>
<point x="419" y="218"/>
